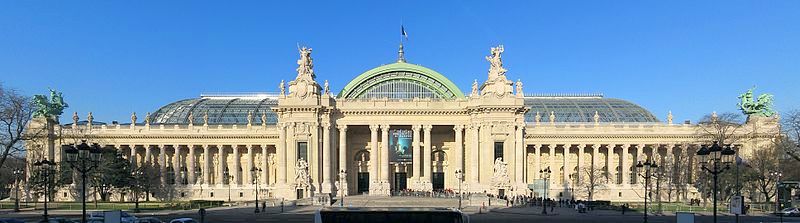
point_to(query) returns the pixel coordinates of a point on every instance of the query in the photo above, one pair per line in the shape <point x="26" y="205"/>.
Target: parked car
<point x="124" y="216"/>
<point x="57" y="220"/>
<point x="183" y="220"/>
<point x="148" y="220"/>
<point x="792" y="212"/>
<point x="94" y="220"/>
<point x="11" y="220"/>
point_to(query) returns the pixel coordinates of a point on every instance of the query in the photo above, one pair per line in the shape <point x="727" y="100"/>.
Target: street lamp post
<point x="460" y="177"/>
<point x="138" y="176"/>
<point x="83" y="158"/>
<point x="17" y="179"/>
<point x="229" y="178"/>
<point x="545" y="174"/>
<point x="777" y="175"/>
<point x="255" y="172"/>
<point x="342" y="182"/>
<point x="646" y="170"/>
<point x="45" y="167"/>
<point x="720" y="160"/>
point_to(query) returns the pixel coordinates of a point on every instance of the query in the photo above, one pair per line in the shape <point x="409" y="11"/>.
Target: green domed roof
<point x="402" y="81"/>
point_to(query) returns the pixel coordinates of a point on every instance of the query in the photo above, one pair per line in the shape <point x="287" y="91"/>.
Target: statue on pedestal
<point x="761" y="106"/>
<point x="497" y="84"/>
<point x="304" y="85"/>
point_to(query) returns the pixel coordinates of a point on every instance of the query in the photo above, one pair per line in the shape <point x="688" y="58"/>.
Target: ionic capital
<point x="373" y="127"/>
<point x="458" y="128"/>
<point x="342" y="128"/>
<point x="428" y="128"/>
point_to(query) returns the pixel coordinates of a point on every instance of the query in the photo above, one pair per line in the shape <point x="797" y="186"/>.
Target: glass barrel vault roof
<point x="582" y="109"/>
<point x="221" y="110"/>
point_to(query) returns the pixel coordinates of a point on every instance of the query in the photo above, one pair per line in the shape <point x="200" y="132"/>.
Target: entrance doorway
<point x="438" y="181"/>
<point x="300" y="193"/>
<point x="400" y="181"/>
<point x="363" y="183"/>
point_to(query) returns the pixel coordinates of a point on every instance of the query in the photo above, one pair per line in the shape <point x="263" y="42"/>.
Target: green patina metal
<point x="350" y="91"/>
<point x="760" y="106"/>
<point x="49" y="108"/>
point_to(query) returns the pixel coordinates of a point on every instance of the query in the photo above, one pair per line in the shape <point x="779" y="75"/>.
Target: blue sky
<point x="113" y="57"/>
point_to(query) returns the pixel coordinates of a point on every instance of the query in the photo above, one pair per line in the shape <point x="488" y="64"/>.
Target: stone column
<point x="190" y="165"/>
<point x="373" y="154"/>
<point x="624" y="165"/>
<point x="249" y="174"/>
<point x="519" y="163"/>
<point x="552" y="162"/>
<point x="206" y="164"/>
<point x="537" y="160"/>
<point x="639" y="157"/>
<point x="459" y="149"/>
<point x="426" y="157"/>
<point x="384" y="154"/>
<point x="567" y="169"/>
<point x="475" y="155"/>
<point x="132" y="158"/>
<point x="162" y="163"/>
<point x="148" y="153"/>
<point x="690" y="162"/>
<point x="609" y="168"/>
<point x="280" y="152"/>
<point x="579" y="163"/>
<point x="176" y="166"/>
<point x="343" y="147"/>
<point x="221" y="165"/>
<point x="595" y="154"/>
<point x="237" y="165"/>
<point x="670" y="156"/>
<point x="343" y="156"/>
<point x="415" y="163"/>
<point x="265" y="172"/>
<point x="326" y="158"/>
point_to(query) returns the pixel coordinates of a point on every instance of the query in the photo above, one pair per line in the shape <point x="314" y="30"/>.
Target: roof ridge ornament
<point x="401" y="54"/>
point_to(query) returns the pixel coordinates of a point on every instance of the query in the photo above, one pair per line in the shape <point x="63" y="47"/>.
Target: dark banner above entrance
<point x="400" y="145"/>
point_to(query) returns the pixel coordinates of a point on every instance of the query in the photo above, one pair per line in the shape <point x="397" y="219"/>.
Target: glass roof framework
<point x="402" y="85"/>
<point x="220" y="111"/>
<point x="582" y="109"/>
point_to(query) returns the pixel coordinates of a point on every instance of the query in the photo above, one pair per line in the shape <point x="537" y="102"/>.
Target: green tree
<point x="148" y="182"/>
<point x="56" y="179"/>
<point x="112" y="174"/>
<point x="724" y="129"/>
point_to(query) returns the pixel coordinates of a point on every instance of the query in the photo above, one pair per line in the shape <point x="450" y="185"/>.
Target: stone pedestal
<point x="327" y="187"/>
<point x="377" y="188"/>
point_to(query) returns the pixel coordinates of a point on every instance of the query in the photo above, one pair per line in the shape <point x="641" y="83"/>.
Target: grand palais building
<point x="399" y="126"/>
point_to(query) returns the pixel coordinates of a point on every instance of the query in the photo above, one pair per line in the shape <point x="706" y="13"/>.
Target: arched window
<point x="361" y="155"/>
<point x="439" y="156"/>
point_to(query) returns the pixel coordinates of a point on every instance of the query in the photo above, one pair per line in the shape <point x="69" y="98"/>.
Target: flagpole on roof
<point x="400" y="53"/>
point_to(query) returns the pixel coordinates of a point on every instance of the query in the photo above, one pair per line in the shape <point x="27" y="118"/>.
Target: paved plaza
<point x="496" y="213"/>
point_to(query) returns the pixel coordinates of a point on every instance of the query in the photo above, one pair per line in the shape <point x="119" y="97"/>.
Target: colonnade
<point x="186" y="162"/>
<point x="616" y="162"/>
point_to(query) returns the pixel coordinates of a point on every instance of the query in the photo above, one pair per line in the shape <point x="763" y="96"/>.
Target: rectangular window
<point x="498" y="150"/>
<point x="302" y="150"/>
<point x="212" y="194"/>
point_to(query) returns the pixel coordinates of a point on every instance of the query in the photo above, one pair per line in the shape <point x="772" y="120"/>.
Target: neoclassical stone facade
<point x="305" y="137"/>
